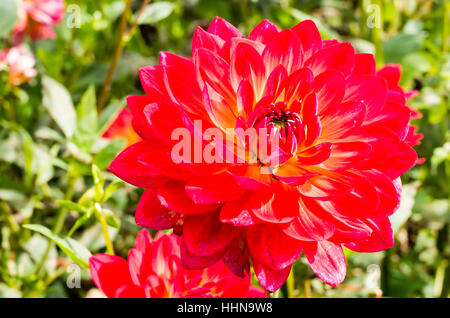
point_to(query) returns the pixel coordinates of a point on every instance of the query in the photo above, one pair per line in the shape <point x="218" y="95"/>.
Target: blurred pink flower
<point x="36" y="19"/>
<point x="21" y="65"/>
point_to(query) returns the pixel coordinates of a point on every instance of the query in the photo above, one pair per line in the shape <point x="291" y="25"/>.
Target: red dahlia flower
<point x="154" y="270"/>
<point x="37" y="17"/>
<point x="121" y="127"/>
<point x="339" y="135"/>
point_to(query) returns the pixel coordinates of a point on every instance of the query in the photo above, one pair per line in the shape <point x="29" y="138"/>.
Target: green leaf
<point x="108" y="153"/>
<point x="110" y="218"/>
<point x="87" y="121"/>
<point x="8" y="16"/>
<point x="400" y="45"/>
<point x="323" y="29"/>
<point x="110" y="113"/>
<point x="99" y="182"/>
<point x="77" y="252"/>
<point x="72" y="206"/>
<point x="112" y="188"/>
<point x="156" y="12"/>
<point x="59" y="104"/>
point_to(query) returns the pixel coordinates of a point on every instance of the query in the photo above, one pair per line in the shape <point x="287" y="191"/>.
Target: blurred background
<point x="54" y="151"/>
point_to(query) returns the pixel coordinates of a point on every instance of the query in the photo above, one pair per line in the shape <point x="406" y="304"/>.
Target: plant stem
<point x="109" y="246"/>
<point x="136" y="19"/>
<point x="104" y="94"/>
<point x="446" y="27"/>
<point x="59" y="221"/>
<point x="307" y="286"/>
<point x="290" y="282"/>
<point x="377" y="35"/>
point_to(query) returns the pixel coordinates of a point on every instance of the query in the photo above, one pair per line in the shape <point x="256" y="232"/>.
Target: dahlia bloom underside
<point x="337" y="128"/>
<point x="154" y="270"/>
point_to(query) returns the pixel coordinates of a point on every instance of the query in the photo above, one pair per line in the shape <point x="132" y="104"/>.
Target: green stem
<point x="290" y="282"/>
<point x="62" y="213"/>
<point x="109" y="246"/>
<point x="104" y="94"/>
<point x="446" y="27"/>
<point x="377" y="36"/>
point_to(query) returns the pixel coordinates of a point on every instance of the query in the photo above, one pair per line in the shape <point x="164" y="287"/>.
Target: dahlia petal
<point x="215" y="71"/>
<point x="297" y="85"/>
<point x="237" y="257"/>
<point x="245" y="99"/>
<point x="151" y="214"/>
<point x="323" y="187"/>
<point x="292" y="172"/>
<point x="369" y="90"/>
<point x="163" y="119"/>
<point x="399" y="161"/>
<point x="173" y="196"/>
<point x="349" y="229"/>
<point x="128" y="168"/>
<point x="130" y="292"/>
<point x="327" y="260"/>
<point x="254" y="292"/>
<point x="284" y="49"/>
<point x="270" y="246"/>
<point x="344" y="155"/>
<point x="152" y="80"/>
<point x="338" y="58"/>
<point x="233" y="213"/>
<point x="205" y="235"/>
<point x="214" y="189"/>
<point x="315" y="155"/>
<point x="382" y="237"/>
<point x="364" y="64"/>
<point x="191" y="261"/>
<point x="330" y="89"/>
<point x="167" y="246"/>
<point x="264" y="32"/>
<point x="218" y="109"/>
<point x="341" y="121"/>
<point x="246" y="63"/>
<point x="206" y="40"/>
<point x="391" y="73"/>
<point x="109" y="273"/>
<point x="223" y="29"/>
<point x="137" y="104"/>
<point x="270" y="279"/>
<point x="178" y="75"/>
<point x="273" y="206"/>
<point x="311" y="222"/>
<point x="309" y="36"/>
<point x="273" y="84"/>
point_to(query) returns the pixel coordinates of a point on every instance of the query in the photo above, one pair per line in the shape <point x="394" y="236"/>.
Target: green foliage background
<point x="53" y="178"/>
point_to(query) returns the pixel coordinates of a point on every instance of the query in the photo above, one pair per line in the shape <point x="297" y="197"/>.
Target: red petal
<point x="191" y="261"/>
<point x="346" y="154"/>
<point x="270" y="246"/>
<point x="338" y="58"/>
<point x="223" y="29"/>
<point x="152" y="79"/>
<point x="309" y="36"/>
<point x="173" y="196"/>
<point x="109" y="273"/>
<point x="339" y="122"/>
<point x="311" y="223"/>
<point x="381" y="239"/>
<point x="205" y="235"/>
<point x="151" y="214"/>
<point x="369" y="90"/>
<point x="270" y="279"/>
<point x="214" y="189"/>
<point x="330" y="89"/>
<point x="264" y="32"/>
<point x="234" y="213"/>
<point x="284" y="49"/>
<point x="364" y="64"/>
<point x="237" y="257"/>
<point x="323" y="187"/>
<point x="327" y="260"/>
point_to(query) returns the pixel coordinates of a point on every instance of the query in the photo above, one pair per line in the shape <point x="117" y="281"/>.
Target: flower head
<point x="122" y="127"/>
<point x="154" y="270"/>
<point x="37" y="17"/>
<point x="296" y="144"/>
<point x="20" y="63"/>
